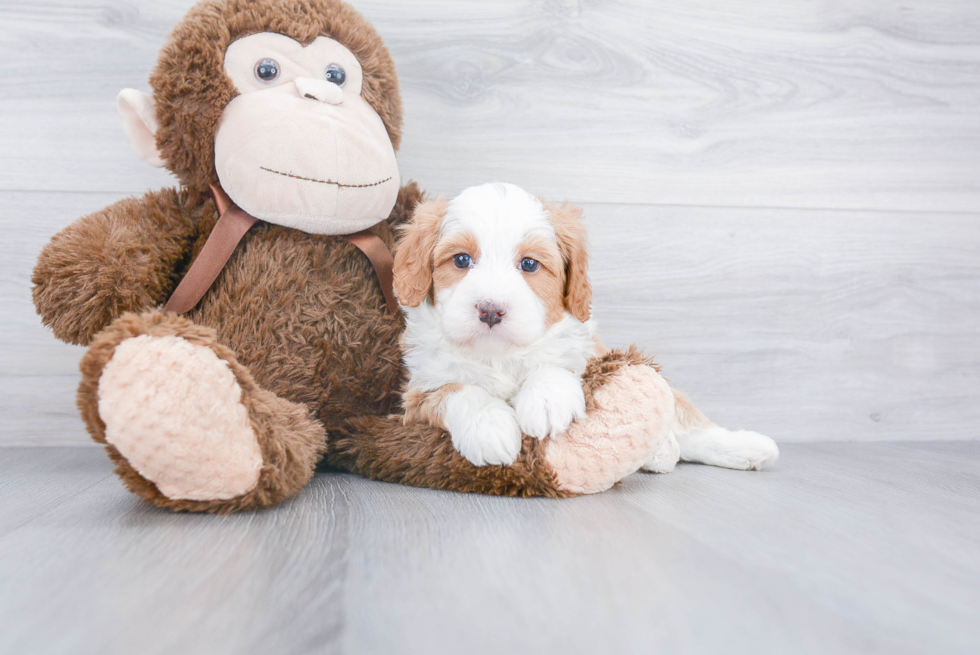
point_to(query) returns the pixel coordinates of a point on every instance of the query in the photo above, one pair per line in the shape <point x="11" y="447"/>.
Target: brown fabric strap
<point x="233" y="223"/>
<point x="374" y="247"/>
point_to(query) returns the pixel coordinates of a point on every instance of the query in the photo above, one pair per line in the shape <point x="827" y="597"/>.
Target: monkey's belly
<point x="305" y="313"/>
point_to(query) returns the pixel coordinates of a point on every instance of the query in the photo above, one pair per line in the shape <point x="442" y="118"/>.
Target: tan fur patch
<point x="444" y="271"/>
<point x="427" y="406"/>
<point x="548" y="281"/>
<point x="414" y="252"/>
<point x="687" y="417"/>
<point x="567" y="221"/>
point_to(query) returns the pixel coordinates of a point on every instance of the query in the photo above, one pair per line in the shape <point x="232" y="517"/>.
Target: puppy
<point x="496" y="296"/>
<point x="497" y="300"/>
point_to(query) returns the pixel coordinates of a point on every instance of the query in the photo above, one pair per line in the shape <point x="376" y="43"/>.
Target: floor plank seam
<point x="50" y="507"/>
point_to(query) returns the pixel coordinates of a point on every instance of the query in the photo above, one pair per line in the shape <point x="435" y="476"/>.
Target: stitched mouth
<point x="337" y="184"/>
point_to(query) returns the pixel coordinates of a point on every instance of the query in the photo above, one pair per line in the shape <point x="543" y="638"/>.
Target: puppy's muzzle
<point x="491" y="313"/>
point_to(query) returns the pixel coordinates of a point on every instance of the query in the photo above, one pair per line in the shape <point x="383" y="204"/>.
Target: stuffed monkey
<point x="287" y="113"/>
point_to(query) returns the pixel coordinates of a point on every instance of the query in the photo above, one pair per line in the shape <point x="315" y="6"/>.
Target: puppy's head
<point x="497" y="265"/>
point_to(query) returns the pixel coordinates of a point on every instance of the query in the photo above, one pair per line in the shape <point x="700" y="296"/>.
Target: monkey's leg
<point x="630" y="408"/>
<point x="185" y="423"/>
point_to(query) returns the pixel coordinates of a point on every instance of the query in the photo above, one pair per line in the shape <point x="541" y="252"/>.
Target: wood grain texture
<point x="841" y="548"/>
<point x="805" y="325"/>
<point x="793" y="104"/>
<point x="38" y="374"/>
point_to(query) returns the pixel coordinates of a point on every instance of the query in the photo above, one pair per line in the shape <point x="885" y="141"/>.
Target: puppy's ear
<point x="413" y="252"/>
<point x="575" y="253"/>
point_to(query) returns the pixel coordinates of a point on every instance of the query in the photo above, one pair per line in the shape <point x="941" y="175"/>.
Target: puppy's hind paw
<point x="740" y="449"/>
<point x="665" y="458"/>
<point x="756" y="451"/>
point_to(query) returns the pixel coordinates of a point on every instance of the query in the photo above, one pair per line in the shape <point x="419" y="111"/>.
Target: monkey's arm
<point x="629" y="405"/>
<point x="126" y="257"/>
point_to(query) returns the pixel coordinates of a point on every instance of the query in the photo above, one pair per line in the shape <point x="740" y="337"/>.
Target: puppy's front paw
<point x="549" y="401"/>
<point x="483" y="428"/>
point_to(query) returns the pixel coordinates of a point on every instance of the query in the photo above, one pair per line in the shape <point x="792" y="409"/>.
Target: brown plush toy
<point x="287" y="353"/>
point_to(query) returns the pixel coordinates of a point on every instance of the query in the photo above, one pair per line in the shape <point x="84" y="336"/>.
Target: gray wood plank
<point x="806" y="325"/>
<point x="103" y="563"/>
<point x="839" y="548"/>
<point x="39" y="410"/>
<point x="32" y="219"/>
<point x="68" y="60"/>
<point x="860" y="106"/>
<point x="38" y="374"/>
<point x="867" y="522"/>
<point x="36" y="481"/>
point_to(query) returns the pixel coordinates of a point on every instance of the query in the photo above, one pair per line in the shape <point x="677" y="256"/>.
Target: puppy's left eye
<point x="529" y="265"/>
<point x="462" y="260"/>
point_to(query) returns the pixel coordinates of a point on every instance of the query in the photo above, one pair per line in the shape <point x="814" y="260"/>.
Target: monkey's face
<point x="299" y="146"/>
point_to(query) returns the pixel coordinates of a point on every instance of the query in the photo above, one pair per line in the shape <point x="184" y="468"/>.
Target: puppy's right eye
<point x="462" y="260"/>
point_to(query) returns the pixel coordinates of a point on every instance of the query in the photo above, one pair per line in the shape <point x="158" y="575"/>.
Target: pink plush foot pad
<point x="173" y="410"/>
<point x="630" y="421"/>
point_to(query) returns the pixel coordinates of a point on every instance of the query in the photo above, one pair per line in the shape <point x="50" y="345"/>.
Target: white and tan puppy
<point x="496" y="297"/>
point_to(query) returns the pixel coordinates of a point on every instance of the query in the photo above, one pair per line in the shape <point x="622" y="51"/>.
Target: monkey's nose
<point x="321" y="90"/>
<point x="491" y="313"/>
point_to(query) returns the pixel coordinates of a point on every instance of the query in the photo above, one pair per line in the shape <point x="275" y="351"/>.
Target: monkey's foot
<point x="187" y="426"/>
<point x="174" y="411"/>
<point x="630" y="409"/>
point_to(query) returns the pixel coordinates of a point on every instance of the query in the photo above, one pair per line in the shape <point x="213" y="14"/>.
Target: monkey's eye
<point x="462" y="260"/>
<point x="529" y="265"/>
<point x="336" y="75"/>
<point x="267" y="70"/>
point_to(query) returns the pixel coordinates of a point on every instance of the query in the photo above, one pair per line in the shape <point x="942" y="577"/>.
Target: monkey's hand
<point x="121" y="258"/>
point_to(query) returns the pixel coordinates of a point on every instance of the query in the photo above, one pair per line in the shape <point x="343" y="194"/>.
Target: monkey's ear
<point x="140" y="124"/>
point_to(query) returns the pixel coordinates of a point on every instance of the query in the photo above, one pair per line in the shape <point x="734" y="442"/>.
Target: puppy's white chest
<point x="502" y="378"/>
<point x="567" y="346"/>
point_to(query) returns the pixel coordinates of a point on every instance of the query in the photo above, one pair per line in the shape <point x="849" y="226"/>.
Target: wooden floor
<point x="841" y="548"/>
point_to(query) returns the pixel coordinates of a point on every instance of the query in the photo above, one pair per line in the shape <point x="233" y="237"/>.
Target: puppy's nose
<point x="491" y="313"/>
